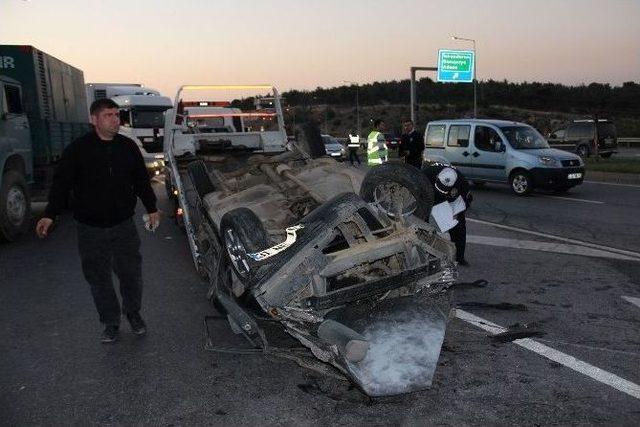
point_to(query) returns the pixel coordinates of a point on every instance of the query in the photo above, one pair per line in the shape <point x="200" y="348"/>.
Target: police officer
<point x="448" y="183"/>
<point x="354" y="145"/>
<point x="377" y="152"/>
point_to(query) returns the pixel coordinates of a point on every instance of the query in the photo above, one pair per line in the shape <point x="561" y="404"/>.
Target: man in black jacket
<point x="448" y="184"/>
<point x="411" y="144"/>
<point x="105" y="173"/>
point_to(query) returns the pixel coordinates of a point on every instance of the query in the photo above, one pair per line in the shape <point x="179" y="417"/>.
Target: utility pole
<point x="475" y="77"/>
<point x="413" y="89"/>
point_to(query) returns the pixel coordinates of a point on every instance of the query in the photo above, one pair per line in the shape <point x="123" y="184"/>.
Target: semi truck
<point x="141" y="117"/>
<point x="42" y="109"/>
<point x="283" y="237"/>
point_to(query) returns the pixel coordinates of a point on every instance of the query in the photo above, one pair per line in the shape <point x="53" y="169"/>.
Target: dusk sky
<point x="303" y="44"/>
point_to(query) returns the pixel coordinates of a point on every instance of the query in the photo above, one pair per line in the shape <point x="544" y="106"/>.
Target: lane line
<point x="612" y="183"/>
<point x="535" y="245"/>
<point x="574" y="200"/>
<point x="562" y="239"/>
<point x="600" y="375"/>
<point x="632" y="300"/>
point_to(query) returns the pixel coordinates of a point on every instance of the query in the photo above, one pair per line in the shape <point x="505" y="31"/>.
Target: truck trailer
<point x="42" y="109"/>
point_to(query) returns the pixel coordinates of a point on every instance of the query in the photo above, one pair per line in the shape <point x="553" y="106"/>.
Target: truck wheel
<point x="15" y="206"/>
<point x="583" y="151"/>
<point x="398" y="188"/>
<point x="200" y="178"/>
<point x="242" y="232"/>
<point x="521" y="182"/>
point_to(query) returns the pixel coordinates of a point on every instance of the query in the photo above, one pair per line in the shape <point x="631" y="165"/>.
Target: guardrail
<point x="628" y="141"/>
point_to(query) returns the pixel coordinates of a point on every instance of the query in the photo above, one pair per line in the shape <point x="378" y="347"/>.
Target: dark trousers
<point x="458" y="236"/>
<point x="117" y="249"/>
<point x="353" y="154"/>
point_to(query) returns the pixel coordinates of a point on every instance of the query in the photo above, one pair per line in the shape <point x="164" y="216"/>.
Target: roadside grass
<point x="612" y="164"/>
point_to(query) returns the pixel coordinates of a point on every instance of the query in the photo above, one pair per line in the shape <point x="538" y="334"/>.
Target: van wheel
<point x="397" y="187"/>
<point x="15" y="206"/>
<point x="242" y="233"/>
<point x="583" y="151"/>
<point x="521" y="183"/>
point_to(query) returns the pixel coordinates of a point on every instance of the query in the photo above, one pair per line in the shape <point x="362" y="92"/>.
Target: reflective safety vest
<point x="376" y="149"/>
<point x="354" y="141"/>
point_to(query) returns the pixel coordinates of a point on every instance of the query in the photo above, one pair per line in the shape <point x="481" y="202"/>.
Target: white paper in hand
<point x="443" y="216"/>
<point x="458" y="205"/>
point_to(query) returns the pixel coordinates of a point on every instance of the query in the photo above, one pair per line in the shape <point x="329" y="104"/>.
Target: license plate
<point x="574" y="176"/>
<point x="335" y="154"/>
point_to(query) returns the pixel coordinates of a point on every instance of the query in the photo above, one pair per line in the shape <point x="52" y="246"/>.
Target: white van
<point x="501" y="151"/>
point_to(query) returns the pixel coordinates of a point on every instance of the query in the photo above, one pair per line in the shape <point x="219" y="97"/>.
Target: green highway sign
<point x="456" y="66"/>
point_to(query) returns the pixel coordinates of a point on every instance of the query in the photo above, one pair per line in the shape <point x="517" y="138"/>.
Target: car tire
<point x="405" y="176"/>
<point x="520" y="182"/>
<point x="242" y="233"/>
<point x="200" y="178"/>
<point x="15" y="206"/>
<point x="583" y="151"/>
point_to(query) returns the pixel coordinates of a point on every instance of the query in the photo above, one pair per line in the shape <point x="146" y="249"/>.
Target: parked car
<point x="393" y="142"/>
<point x="333" y="147"/>
<point x="504" y="152"/>
<point x="579" y="135"/>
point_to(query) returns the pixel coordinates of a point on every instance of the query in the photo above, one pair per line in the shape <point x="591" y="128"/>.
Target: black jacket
<point x="411" y="146"/>
<point x="105" y="177"/>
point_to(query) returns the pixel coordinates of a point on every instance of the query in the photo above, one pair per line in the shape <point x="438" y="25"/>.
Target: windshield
<point x="147" y="119"/>
<point x="524" y="137"/>
<point x="329" y="140"/>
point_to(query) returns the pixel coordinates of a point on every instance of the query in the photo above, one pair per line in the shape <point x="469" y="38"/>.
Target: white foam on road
<point x="600" y="375"/>
<point x="560" y="248"/>
<point x="632" y="300"/>
<point x="631" y="254"/>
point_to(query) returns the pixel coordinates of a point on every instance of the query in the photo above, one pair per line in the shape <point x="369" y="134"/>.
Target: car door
<point x="488" y="152"/>
<point x="457" y="148"/>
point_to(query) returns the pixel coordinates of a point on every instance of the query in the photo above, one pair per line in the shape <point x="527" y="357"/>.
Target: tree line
<point x="583" y="99"/>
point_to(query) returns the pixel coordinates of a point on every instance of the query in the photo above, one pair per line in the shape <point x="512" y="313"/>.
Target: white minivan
<point x="501" y="151"/>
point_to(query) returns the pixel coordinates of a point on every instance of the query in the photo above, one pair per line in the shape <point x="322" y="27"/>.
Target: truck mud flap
<point x="404" y="337"/>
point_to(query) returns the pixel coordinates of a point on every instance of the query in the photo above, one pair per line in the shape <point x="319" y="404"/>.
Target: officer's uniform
<point x="354" y="145"/>
<point x="377" y="152"/>
<point x="449" y="183"/>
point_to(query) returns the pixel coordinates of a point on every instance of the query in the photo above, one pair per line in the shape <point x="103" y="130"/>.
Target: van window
<point x="459" y="135"/>
<point x="486" y="139"/>
<point x="435" y="136"/>
<point x="580" y="131"/>
<point x="12" y="95"/>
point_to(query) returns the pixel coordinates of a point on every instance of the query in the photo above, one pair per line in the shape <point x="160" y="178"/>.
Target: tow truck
<point x="343" y="261"/>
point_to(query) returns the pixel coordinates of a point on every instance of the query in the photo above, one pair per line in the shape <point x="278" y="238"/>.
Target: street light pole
<point x="475" y="77"/>
<point x="357" y="103"/>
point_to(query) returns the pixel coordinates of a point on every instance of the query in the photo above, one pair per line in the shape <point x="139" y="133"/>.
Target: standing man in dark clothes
<point x="448" y="184"/>
<point x="106" y="173"/>
<point x="411" y="144"/>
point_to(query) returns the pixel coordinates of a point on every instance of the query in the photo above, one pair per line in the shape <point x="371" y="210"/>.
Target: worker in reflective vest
<point x="377" y="153"/>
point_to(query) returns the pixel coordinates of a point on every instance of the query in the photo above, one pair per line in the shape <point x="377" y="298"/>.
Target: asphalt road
<point x="54" y="370"/>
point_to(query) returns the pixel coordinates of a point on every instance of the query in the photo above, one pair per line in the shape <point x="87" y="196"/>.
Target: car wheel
<point x="242" y="233"/>
<point x="521" y="183"/>
<point x="583" y="151"/>
<point x="397" y="188"/>
<point x="15" y="206"/>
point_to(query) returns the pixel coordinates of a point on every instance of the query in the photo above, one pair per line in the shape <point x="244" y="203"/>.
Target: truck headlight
<point x="548" y="161"/>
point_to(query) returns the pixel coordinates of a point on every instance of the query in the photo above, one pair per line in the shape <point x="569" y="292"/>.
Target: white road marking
<point x="535" y="245"/>
<point x="612" y="183"/>
<point x="632" y="300"/>
<point x="575" y="200"/>
<point x="562" y="239"/>
<point x="570" y="362"/>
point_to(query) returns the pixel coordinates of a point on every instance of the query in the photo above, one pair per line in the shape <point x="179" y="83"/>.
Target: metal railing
<point x="628" y="141"/>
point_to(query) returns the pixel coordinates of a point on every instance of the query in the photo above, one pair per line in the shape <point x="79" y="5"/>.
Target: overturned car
<point x="344" y="261"/>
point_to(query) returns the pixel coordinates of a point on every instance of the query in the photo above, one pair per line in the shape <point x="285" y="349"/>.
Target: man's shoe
<point x="138" y="326"/>
<point x="463" y="262"/>
<point x="110" y="334"/>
